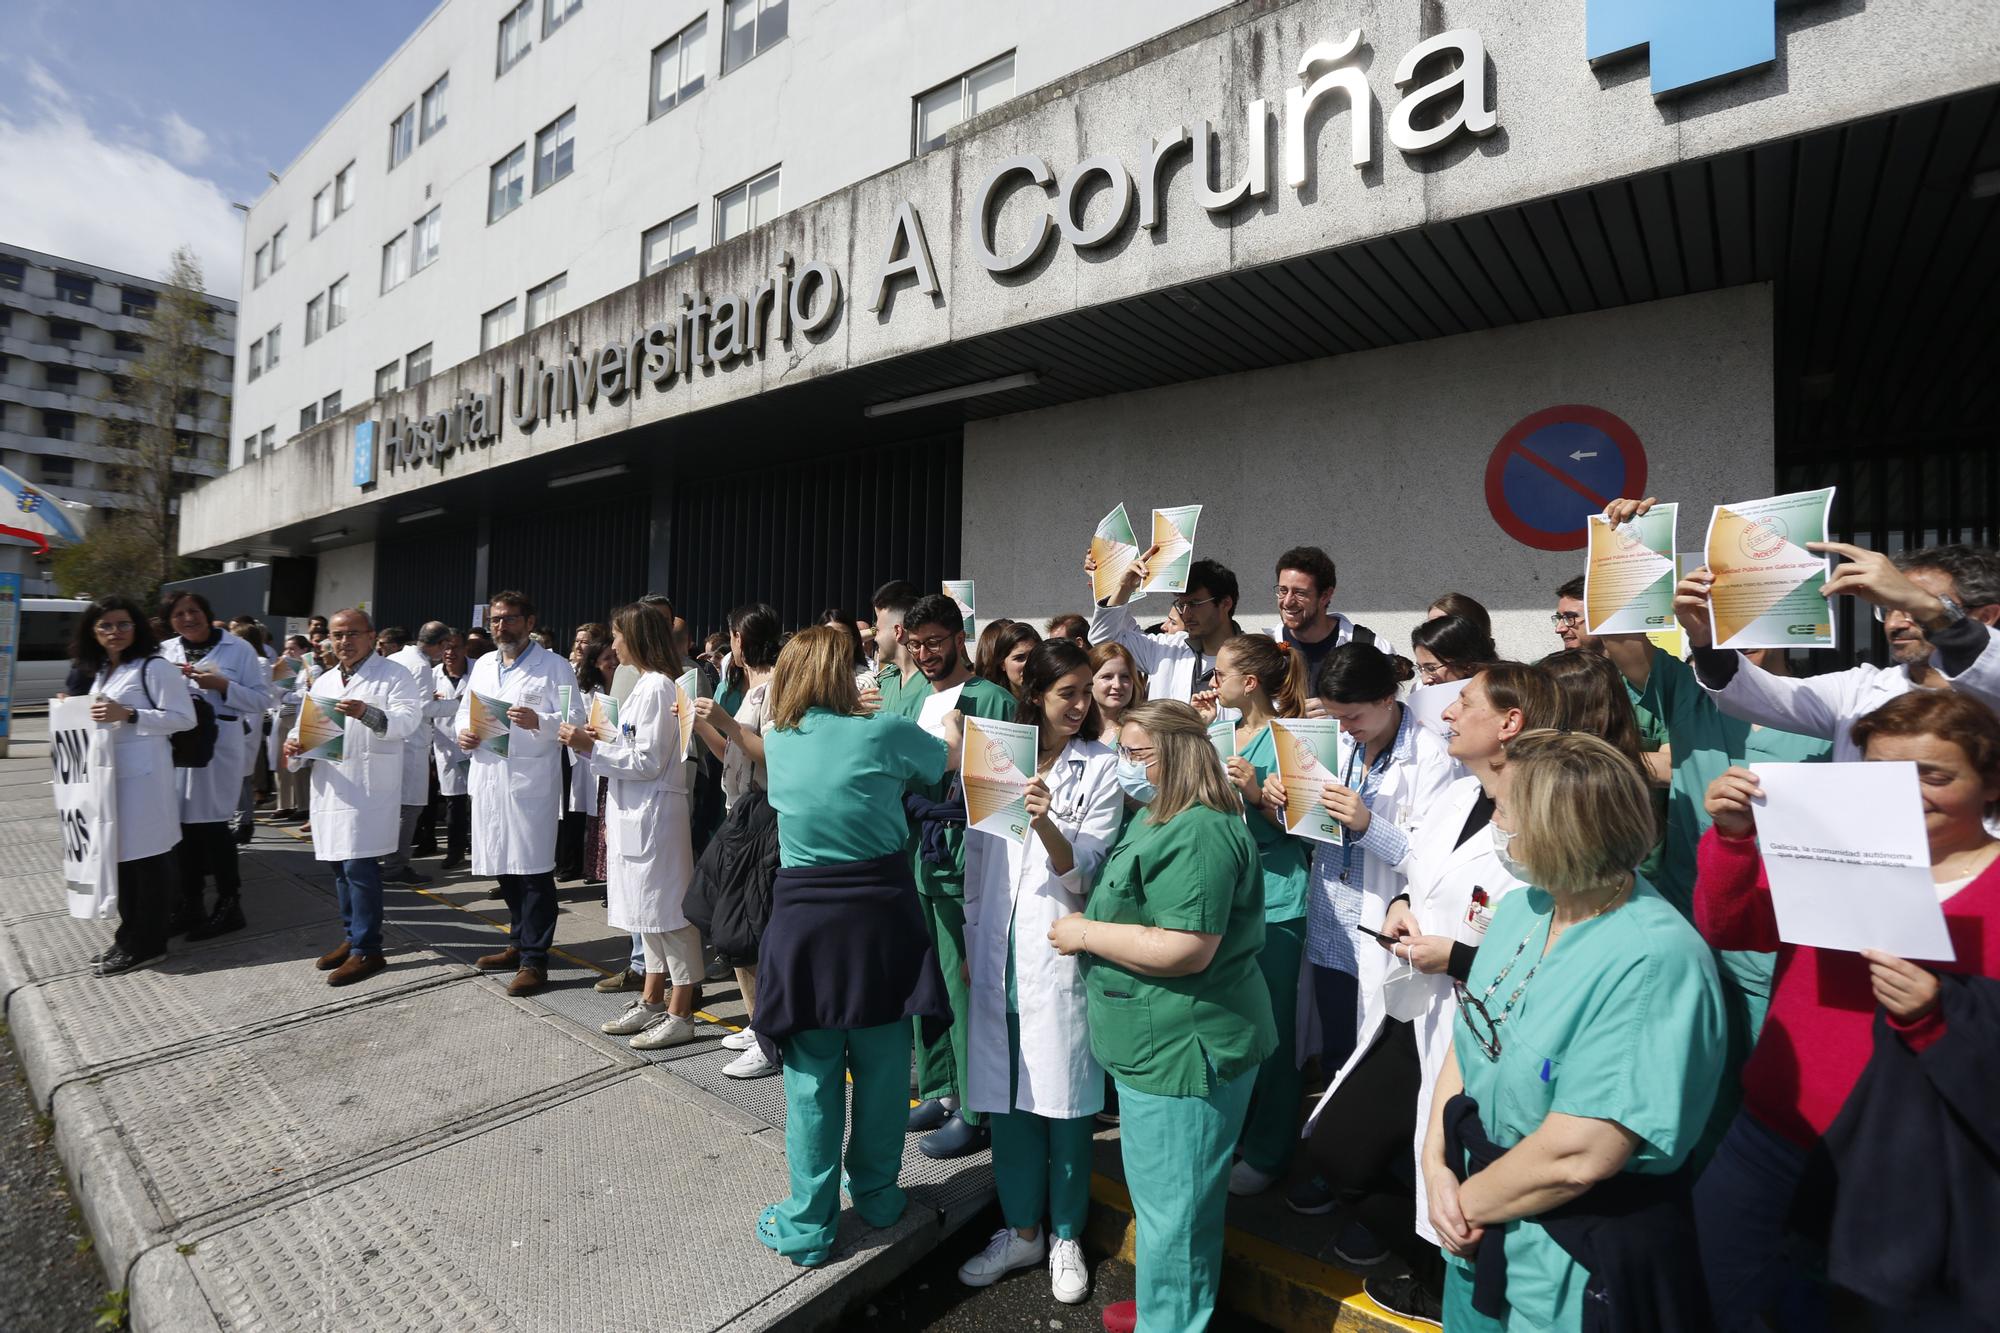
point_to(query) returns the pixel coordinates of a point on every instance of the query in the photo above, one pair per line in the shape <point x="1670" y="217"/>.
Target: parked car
<point x="42" y="649"/>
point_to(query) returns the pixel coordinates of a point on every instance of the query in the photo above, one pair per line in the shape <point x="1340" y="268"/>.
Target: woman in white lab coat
<point x="1367" y="1131"/>
<point x="649" y="854"/>
<point x="148" y="700"/>
<point x="1029" y="1060"/>
<point x="450" y="680"/>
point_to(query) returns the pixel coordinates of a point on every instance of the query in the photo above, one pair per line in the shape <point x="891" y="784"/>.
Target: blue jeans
<point x="638" y="959"/>
<point x="358" y="883"/>
<point x="1742" y="1211"/>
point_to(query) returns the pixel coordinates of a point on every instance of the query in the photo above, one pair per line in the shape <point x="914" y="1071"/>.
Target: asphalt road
<point x="50" y="1280"/>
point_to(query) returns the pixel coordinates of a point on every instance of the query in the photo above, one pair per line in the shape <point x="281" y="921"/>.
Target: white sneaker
<point x="1002" y="1255"/>
<point x="746" y="1040"/>
<point x="750" y="1064"/>
<point x="1247" y="1179"/>
<point x="1069" y="1276"/>
<point x="665" y="1030"/>
<point x="635" y="1018"/>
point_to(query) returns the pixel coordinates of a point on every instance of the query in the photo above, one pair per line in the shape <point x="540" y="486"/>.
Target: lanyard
<point x="1349" y="845"/>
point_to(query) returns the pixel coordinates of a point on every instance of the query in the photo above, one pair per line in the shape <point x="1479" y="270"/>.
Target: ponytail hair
<point x="1280" y="670"/>
<point x="1361" y="673"/>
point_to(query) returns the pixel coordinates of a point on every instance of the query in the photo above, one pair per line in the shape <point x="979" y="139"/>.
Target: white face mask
<point x="1502" y="838"/>
<point x="1406" y="992"/>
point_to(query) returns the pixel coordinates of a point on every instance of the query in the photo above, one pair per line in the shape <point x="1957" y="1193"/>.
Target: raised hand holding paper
<point x="997" y="762"/>
<point x="1173" y="536"/>
<point x="1113" y="548"/>
<point x="488" y="717"/>
<point x="961" y="591"/>
<point x="1628" y="579"/>
<point x="1842" y="882"/>
<point x="1767" y="585"/>
<point x="321" y="730"/>
<point x="1308" y="748"/>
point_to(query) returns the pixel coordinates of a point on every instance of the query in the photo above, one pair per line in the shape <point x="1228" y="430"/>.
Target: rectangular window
<point x="402" y="136"/>
<point x="667" y="244"/>
<point x="555" y="150"/>
<point x="962" y="98"/>
<point x="507" y="183"/>
<point x="256" y="358"/>
<point x="74" y="288"/>
<point x="385" y="378"/>
<point x="678" y="67"/>
<point x="750" y="28"/>
<point x="514" y="36"/>
<point x="271" y="347"/>
<point x="417" y="367"/>
<point x="277" y="249"/>
<point x="266" y="438"/>
<point x="136" y="302"/>
<point x="249" y="447"/>
<point x="545" y="302"/>
<point x="62" y="377"/>
<point x="556" y="12"/>
<point x="396" y="261"/>
<point x="499" y="324"/>
<point x="426" y="237"/>
<point x="58" y="471"/>
<point x="308" y="417"/>
<point x="329" y="407"/>
<point x="315" y="319"/>
<point x="12" y="274"/>
<point x="59" y="425"/>
<point x="263" y="269"/>
<point x="124" y="344"/>
<point x="343" y="190"/>
<point x="750" y="204"/>
<point x="65" y="331"/>
<point x="336" y="303"/>
<point x="322" y="212"/>
<point x="433" y="108"/>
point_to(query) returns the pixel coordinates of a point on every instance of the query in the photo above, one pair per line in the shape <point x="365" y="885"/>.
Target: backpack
<point x="194" y="747"/>
<point x="729" y="898"/>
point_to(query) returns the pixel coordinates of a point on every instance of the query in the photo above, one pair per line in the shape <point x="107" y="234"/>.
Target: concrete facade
<point x="1379" y="457"/>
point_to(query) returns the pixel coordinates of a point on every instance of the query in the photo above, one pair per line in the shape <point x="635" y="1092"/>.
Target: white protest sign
<point x="86" y="791"/>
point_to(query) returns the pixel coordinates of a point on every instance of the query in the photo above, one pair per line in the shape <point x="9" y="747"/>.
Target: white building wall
<point x="831" y="102"/>
<point x="344" y="576"/>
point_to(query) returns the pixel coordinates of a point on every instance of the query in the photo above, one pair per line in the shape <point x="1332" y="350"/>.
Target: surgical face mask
<point x="1502" y="838"/>
<point x="1406" y="992"/>
<point x="1132" y="777"/>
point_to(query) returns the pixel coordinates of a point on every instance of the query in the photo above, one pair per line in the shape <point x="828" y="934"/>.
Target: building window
<point x="59" y="425"/>
<point x="74" y="288"/>
<point x="507" y="183"/>
<point x="555" y="150"/>
<point x="62" y="377"/>
<point x="263" y="268"/>
<point x="266" y="438"/>
<point x="750" y="28"/>
<point x="249" y="447"/>
<point x="124" y="344"/>
<point x="308" y="417"/>
<point x="396" y="261"/>
<point x="57" y="470"/>
<point x="271" y="347"/>
<point x="499" y="324"/>
<point x="402" y="136"/>
<point x="136" y="302"/>
<point x="329" y="407"/>
<point x="678" y="67"/>
<point x="343" y="190"/>
<point x="750" y="204"/>
<point x="65" y="331"/>
<point x="4" y="364"/>
<point x="426" y="238"/>
<point x="545" y="302"/>
<point x="322" y="212"/>
<point x="385" y="379"/>
<point x="277" y="249"/>
<point x="417" y="367"/>
<point x="433" y="108"/>
<point x="12" y="274"/>
<point x="315" y="319"/>
<point x="256" y="358"/>
<point x="961" y="99"/>
<point x="667" y="244"/>
<point x="336" y="303"/>
<point x="514" y="36"/>
<point x="556" y="12"/>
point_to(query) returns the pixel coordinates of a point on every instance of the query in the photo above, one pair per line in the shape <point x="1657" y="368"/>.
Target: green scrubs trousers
<point x="817" y="1065"/>
<point x="1272" y="1129"/>
<point x="941" y="1064"/>
<point x="1177" y="1152"/>
<point x="1040" y="1166"/>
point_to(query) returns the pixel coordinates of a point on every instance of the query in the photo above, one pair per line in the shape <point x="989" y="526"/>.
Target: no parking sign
<point x="1556" y="468"/>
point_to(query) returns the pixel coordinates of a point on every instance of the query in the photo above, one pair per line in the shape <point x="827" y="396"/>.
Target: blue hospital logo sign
<point x="1556" y="468"/>
<point x="1690" y="42"/>
<point x="28" y="501"/>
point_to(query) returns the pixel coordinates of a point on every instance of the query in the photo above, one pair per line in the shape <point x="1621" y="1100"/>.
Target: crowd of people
<point x="1530" y="1027"/>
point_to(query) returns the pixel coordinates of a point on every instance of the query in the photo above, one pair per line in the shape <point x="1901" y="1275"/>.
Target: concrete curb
<point x="107" y="1185"/>
<point x="164" y="1296"/>
<point x="38" y="1037"/>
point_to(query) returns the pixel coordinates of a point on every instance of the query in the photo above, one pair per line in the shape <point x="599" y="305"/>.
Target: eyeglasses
<point x="1142" y="755"/>
<point x="1289" y="596"/>
<point x="350" y="634"/>
<point x="1566" y="619"/>
<point x="1485" y="1032"/>
<point x="501" y="620"/>
<point x="108" y="627"/>
<point x="934" y="645"/>
<point x="1432" y="672"/>
<point x="1187" y="604"/>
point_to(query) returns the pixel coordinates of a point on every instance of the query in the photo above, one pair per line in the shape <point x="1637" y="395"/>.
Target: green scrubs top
<point x="1769" y="745"/>
<point x="837" y="785"/>
<point x="1705" y="741"/>
<point x="1282" y="856"/>
<point x="1622" y="1021"/>
<point x="979" y="698"/>
<point x="1182" y="1036"/>
<point x="1652" y="735"/>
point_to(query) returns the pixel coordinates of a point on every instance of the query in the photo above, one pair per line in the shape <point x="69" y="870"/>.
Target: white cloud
<point x="67" y="191"/>
<point x="185" y="144"/>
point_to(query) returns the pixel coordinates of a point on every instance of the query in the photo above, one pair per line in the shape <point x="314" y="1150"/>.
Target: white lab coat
<point x="210" y="794"/>
<point x="416" y="758"/>
<point x="1011" y="887"/>
<point x="1441" y="880"/>
<point x="583" y="784"/>
<point x="149" y="807"/>
<point x="1343" y="632"/>
<point x="441" y="714"/>
<point x="648" y="851"/>
<point x="517" y="798"/>
<point x="357" y="802"/>
<point x="1169" y="661"/>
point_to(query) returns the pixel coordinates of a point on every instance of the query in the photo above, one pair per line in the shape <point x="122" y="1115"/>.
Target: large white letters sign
<point x="86" y="789"/>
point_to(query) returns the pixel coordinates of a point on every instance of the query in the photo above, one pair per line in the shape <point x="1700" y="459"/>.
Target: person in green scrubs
<point x="1262" y="678"/>
<point x="1179" y="1013"/>
<point x="934" y="637"/>
<point x="836" y="779"/>
<point x="1589" y="1032"/>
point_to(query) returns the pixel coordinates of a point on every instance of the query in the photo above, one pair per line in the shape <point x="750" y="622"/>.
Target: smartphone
<point x="1377" y="936"/>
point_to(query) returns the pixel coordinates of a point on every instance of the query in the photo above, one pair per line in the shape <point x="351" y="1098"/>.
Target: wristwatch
<point x="1953" y="613"/>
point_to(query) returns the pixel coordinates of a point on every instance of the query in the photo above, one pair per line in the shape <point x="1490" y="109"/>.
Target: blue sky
<point x="129" y="126"/>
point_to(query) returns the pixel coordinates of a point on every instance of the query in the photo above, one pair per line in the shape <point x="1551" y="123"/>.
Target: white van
<point x="41" y="662"/>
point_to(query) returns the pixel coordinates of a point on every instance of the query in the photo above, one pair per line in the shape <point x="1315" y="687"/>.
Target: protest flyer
<point x="284" y="670"/>
<point x="936" y="704"/>
<point x="603" y="716"/>
<point x="1308" y="748"/>
<point x="488" y="718"/>
<point x="961" y="591"/>
<point x="996" y="763"/>
<point x="563" y="694"/>
<point x="1173" y="555"/>
<point x="1113" y="547"/>
<point x="1767" y="585"/>
<point x="1628" y="577"/>
<point x="1841" y="882"/>
<point x="321" y="730"/>
<point x="686" y="690"/>
<point x="1222" y="735"/>
<point x="82" y="755"/>
<point x="1428" y="702"/>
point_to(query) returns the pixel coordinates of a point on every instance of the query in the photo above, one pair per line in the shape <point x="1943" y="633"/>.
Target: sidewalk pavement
<point x="256" y="1151"/>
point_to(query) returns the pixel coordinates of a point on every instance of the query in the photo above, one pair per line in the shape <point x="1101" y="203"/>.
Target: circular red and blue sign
<point x="1556" y="468"/>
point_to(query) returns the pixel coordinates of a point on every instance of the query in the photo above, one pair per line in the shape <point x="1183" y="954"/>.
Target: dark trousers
<point x="358" y="886"/>
<point x="1362" y="1141"/>
<point x="457" y="825"/>
<point x="531" y="915"/>
<point x="427" y="822"/>
<point x="1335" y="994"/>
<point x="145" y="898"/>
<point x="1753" y="1262"/>
<point x="208" y="851"/>
<point x="569" y="846"/>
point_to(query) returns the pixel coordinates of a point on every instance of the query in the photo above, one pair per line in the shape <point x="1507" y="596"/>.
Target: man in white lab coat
<point x="516" y="797"/>
<point x="1181" y="664"/>
<point x="418" y="659"/>
<point x="355" y="798"/>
